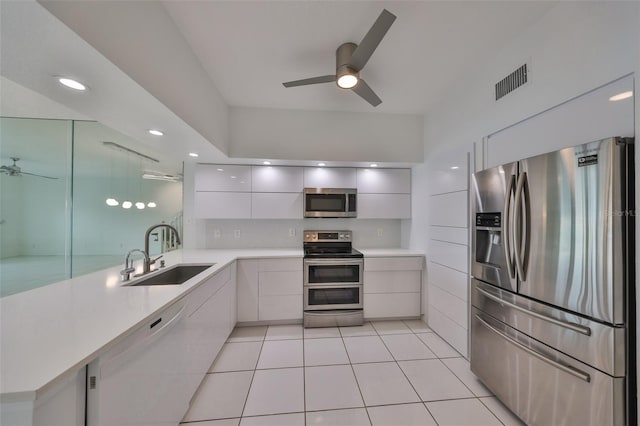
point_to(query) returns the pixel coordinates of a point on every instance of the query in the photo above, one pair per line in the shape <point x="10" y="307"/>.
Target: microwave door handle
<point x="507" y="225"/>
<point x="517" y="213"/>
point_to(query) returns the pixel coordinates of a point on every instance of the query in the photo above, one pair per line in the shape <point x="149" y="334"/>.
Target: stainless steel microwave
<point x="330" y="202"/>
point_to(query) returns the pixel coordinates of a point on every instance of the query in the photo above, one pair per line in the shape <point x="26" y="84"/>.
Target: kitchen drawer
<point x="207" y="289"/>
<point x="391" y="305"/>
<point x="272" y="283"/>
<point x="588" y="341"/>
<point x="393" y="263"/>
<point x="559" y="389"/>
<point x="392" y="281"/>
<point x="275" y="308"/>
<point x="289" y="264"/>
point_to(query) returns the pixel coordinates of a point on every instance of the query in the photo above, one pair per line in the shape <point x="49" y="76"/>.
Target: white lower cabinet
<point x="392" y="287"/>
<point x="150" y="377"/>
<point x="63" y="404"/>
<point x="270" y="289"/>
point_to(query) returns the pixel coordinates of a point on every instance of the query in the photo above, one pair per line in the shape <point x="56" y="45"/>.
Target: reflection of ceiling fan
<point x="14" y="170"/>
<point x="351" y="58"/>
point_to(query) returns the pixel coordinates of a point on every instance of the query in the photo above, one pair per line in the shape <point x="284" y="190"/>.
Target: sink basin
<point x="174" y="275"/>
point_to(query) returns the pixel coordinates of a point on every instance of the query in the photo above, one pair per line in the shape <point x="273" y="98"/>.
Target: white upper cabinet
<point x="222" y="205"/>
<point x="384" y="206"/>
<point x="276" y="179"/>
<point x="223" y="178"/>
<point x="322" y="177"/>
<point x="384" y="181"/>
<point x="270" y="205"/>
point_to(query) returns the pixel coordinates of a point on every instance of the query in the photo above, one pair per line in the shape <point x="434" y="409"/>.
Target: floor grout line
<point x="380" y="334"/>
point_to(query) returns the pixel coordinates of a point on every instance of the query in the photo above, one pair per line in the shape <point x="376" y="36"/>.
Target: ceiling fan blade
<point x="312" y="80"/>
<point x="366" y="93"/>
<point x="42" y="176"/>
<point x="371" y="40"/>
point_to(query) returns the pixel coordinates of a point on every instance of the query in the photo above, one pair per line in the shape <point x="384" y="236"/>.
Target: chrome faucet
<point x="128" y="268"/>
<point x="146" y="267"/>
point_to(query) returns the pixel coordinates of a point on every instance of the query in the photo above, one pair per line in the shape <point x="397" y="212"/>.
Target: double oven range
<point x="332" y="280"/>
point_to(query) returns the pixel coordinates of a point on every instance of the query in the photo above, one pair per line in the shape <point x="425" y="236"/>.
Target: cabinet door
<point x="222" y="177"/>
<point x="274" y="308"/>
<point x="384" y="206"/>
<point x="276" y="179"/>
<point x="280" y="291"/>
<point x="247" y="281"/>
<point x="332" y="177"/>
<point x="266" y="205"/>
<point x="391" y="305"/>
<point x="222" y="205"/>
<point x="384" y="181"/>
<point x="392" y="281"/>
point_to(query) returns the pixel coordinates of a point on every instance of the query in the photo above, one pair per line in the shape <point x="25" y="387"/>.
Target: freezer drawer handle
<point x="571" y="326"/>
<point x="566" y="368"/>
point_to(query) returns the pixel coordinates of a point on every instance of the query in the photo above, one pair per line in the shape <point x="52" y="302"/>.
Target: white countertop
<point x="53" y="330"/>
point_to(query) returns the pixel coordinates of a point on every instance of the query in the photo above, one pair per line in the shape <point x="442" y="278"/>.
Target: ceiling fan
<point x="14" y="170"/>
<point x="351" y="58"/>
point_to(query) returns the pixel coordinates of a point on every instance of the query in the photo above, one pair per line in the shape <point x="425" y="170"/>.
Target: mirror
<point x="55" y="222"/>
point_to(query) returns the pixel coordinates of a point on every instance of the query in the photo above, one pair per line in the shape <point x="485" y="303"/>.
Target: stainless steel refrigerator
<point x="553" y="285"/>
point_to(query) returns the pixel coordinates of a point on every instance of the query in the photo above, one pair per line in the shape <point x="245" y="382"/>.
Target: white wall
<point x="573" y="49"/>
<point x="325" y="135"/>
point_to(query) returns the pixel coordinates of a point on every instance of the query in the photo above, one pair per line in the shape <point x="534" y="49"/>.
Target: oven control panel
<point x="327" y="236"/>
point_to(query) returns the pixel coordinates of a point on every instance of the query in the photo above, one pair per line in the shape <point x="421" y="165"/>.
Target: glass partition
<point x="72" y="220"/>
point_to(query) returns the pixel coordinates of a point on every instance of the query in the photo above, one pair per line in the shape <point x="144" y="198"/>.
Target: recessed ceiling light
<point x="193" y="154"/>
<point x="621" y="96"/>
<point x="321" y="164"/>
<point x="232" y="177"/>
<point x="155" y="132"/>
<point x="266" y="163"/>
<point x="72" y="84"/>
<point x="454" y="167"/>
<point x="220" y="170"/>
<point x="373" y="165"/>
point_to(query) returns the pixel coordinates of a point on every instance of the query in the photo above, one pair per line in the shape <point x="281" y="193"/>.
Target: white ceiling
<point x="250" y="47"/>
<point x="246" y="49"/>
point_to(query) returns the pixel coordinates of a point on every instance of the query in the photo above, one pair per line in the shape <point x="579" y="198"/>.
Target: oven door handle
<point x="333" y="262"/>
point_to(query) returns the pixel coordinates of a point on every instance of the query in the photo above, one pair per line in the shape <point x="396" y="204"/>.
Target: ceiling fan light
<point x="347" y="81"/>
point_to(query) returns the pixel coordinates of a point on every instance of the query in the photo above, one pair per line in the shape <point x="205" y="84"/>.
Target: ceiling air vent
<point x="511" y="82"/>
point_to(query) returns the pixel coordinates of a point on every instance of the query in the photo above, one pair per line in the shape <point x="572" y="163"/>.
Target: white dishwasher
<point x="142" y="380"/>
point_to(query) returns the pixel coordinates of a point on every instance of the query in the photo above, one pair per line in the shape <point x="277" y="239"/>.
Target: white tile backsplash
<point x="274" y="233"/>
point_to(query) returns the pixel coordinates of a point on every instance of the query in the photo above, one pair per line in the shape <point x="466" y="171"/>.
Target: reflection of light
<point x="155" y="132"/>
<point x="621" y="96"/>
<point x="266" y="163"/>
<point x="193" y="154"/>
<point x="454" y="167"/>
<point x="112" y="281"/>
<point x="151" y="204"/>
<point x="220" y="170"/>
<point x="232" y="177"/>
<point x="72" y="84"/>
<point x="321" y="164"/>
<point x="140" y="205"/>
<point x="373" y="165"/>
<point x="501" y="171"/>
<point x="126" y="204"/>
<point x="112" y="202"/>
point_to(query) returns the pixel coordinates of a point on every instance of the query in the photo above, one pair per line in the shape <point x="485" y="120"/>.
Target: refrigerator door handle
<point x="518" y="237"/>
<point x="565" y="324"/>
<point x="508" y="227"/>
<point x="566" y="368"/>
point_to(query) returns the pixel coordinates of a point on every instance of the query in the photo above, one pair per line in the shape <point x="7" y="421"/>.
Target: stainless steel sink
<point x="174" y="275"/>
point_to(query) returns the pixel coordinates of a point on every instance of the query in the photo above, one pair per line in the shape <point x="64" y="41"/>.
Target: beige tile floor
<point x="385" y="373"/>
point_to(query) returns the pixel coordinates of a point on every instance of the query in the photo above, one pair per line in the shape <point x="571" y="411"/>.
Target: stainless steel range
<point x="332" y="280"/>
